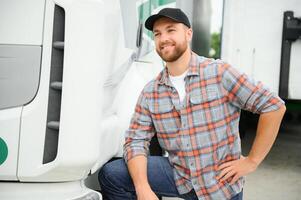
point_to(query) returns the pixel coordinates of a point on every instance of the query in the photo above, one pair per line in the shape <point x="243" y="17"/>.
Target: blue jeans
<point x="116" y="183"/>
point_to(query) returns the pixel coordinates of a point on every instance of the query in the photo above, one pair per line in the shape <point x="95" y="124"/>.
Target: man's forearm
<point x="267" y="130"/>
<point x="138" y="170"/>
<point x="137" y="167"/>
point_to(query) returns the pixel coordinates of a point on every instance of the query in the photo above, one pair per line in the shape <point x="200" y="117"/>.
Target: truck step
<point x="58" y="45"/>
<point x="57" y="85"/>
<point x="55" y="125"/>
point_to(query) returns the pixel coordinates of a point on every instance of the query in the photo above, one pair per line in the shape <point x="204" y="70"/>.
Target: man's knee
<point x="115" y="181"/>
<point x="112" y="172"/>
<point x="103" y="174"/>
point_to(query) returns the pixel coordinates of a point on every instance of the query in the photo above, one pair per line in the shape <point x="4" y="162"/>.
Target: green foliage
<point x="215" y="45"/>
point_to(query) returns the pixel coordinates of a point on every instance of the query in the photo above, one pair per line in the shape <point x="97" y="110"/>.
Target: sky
<point x="217" y="12"/>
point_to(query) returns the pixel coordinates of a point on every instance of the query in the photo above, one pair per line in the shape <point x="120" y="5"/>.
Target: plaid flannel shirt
<point x="201" y="132"/>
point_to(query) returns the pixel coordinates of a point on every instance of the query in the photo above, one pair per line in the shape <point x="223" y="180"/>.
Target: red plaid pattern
<point x="201" y="132"/>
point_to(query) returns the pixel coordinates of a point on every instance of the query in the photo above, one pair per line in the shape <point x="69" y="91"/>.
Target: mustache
<point x="161" y="45"/>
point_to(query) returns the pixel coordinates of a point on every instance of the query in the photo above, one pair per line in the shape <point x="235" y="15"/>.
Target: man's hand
<point x="233" y="170"/>
<point x="146" y="194"/>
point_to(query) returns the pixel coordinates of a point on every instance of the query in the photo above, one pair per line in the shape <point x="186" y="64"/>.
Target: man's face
<point x="171" y="38"/>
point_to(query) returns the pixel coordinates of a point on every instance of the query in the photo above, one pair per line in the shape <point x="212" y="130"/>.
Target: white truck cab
<point x="71" y="72"/>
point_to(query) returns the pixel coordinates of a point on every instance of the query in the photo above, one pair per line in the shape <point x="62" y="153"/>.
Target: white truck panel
<point x="294" y="89"/>
<point x="9" y="132"/>
<point x="47" y="191"/>
<point x="252" y="37"/>
<point x="22" y="22"/>
<point x="83" y="77"/>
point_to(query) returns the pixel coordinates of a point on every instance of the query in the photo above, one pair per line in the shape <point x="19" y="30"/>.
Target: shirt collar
<point x="194" y="70"/>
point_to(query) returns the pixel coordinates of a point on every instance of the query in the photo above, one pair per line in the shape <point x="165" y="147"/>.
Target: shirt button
<point x="191" y="164"/>
<point x="184" y="125"/>
<point x="194" y="182"/>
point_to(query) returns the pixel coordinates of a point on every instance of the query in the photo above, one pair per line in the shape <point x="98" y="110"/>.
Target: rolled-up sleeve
<point x="140" y="132"/>
<point x="246" y="93"/>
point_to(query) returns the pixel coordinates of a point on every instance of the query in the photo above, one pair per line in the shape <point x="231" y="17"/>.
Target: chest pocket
<point x="163" y="115"/>
<point x="197" y="96"/>
<point x="163" y="106"/>
<point x="206" y="108"/>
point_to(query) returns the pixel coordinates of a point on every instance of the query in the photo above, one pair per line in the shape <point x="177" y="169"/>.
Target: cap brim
<point x="149" y="23"/>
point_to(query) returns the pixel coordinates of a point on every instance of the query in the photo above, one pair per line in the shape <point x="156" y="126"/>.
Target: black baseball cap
<point x="173" y="13"/>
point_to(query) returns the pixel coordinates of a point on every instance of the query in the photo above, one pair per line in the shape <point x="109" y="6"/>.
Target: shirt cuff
<point x="129" y="154"/>
<point x="274" y="104"/>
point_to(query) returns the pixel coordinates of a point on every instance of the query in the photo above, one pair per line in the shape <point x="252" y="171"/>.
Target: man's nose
<point x="164" y="38"/>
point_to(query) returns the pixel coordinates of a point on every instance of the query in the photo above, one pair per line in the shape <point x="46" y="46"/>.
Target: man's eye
<point x="171" y="30"/>
<point x="156" y="34"/>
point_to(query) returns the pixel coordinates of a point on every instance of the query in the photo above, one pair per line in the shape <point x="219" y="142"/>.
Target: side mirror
<point x="139" y="35"/>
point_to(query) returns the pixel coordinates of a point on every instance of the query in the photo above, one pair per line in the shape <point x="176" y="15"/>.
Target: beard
<point x="175" y="54"/>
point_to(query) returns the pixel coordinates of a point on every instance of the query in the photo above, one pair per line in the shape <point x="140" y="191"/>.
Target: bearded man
<point x="194" y="107"/>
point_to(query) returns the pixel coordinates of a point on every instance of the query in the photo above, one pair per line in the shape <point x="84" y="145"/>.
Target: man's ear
<point x="189" y="34"/>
